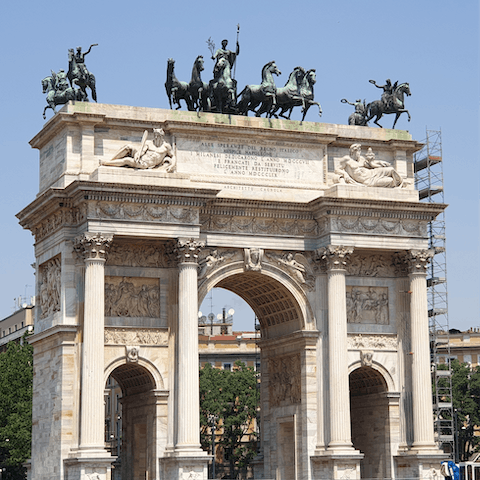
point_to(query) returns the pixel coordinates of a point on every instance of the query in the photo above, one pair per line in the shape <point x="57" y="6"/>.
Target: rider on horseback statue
<point x="388" y="90"/>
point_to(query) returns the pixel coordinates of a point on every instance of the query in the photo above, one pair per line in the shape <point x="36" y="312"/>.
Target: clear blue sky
<point x="432" y="44"/>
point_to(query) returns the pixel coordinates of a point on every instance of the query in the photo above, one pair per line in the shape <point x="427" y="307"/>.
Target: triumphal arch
<point x="140" y="212"/>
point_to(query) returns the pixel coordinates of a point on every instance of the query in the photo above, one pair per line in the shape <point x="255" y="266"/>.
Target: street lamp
<point x="212" y="420"/>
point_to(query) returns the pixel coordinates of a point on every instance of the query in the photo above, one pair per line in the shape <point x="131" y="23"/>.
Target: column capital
<point x="417" y="261"/>
<point x="187" y="249"/>
<point x="335" y="256"/>
<point x="92" y="246"/>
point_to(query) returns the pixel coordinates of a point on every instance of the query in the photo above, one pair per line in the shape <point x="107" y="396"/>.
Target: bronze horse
<point x="396" y="106"/>
<point x="265" y="93"/>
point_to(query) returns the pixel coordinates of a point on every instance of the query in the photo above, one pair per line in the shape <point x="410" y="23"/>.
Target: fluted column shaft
<point x="188" y="398"/>
<point x="423" y="434"/>
<point x="93" y="247"/>
<point x="340" y="428"/>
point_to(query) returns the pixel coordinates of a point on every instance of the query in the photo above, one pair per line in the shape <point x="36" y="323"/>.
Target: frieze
<point x="259" y="225"/>
<point x="50" y="274"/>
<point x="147" y="212"/>
<point x="137" y="336"/>
<point x="140" y="255"/>
<point x="371" y="225"/>
<point x="62" y="217"/>
<point x="376" y="265"/>
<point x="284" y="380"/>
<point x="372" y="342"/>
<point x="132" y="297"/>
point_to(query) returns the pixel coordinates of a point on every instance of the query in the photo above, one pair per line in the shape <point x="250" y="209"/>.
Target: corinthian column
<point x="340" y="428"/>
<point x="93" y="248"/>
<point x="423" y="436"/>
<point x="188" y="416"/>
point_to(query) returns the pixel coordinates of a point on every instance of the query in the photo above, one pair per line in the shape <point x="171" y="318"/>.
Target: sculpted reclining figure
<point x="158" y="153"/>
<point x="357" y="170"/>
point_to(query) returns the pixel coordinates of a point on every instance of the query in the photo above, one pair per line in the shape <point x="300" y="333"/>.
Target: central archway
<point x="287" y="347"/>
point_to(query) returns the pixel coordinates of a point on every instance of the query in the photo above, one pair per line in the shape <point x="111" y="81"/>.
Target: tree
<point x="232" y="397"/>
<point x="466" y="402"/>
<point x="16" y="379"/>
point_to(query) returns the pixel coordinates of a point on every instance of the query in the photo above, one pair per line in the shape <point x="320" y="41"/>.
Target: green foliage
<point x="16" y="378"/>
<point x="466" y="400"/>
<point x="233" y="397"/>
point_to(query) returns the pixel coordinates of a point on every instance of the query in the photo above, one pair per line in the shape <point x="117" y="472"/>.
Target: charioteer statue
<point x="228" y="55"/>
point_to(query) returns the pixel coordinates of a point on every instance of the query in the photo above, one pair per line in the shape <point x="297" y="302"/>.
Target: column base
<point x="413" y="464"/>
<point x="89" y="468"/>
<point x="176" y="467"/>
<point x="336" y="465"/>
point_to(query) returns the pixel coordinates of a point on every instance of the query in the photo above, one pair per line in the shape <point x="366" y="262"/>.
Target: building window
<point x="22" y="325"/>
<point x="257" y="366"/>
<point x="227" y="366"/>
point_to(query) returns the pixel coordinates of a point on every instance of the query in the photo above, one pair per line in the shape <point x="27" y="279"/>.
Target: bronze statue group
<point x="219" y="95"/>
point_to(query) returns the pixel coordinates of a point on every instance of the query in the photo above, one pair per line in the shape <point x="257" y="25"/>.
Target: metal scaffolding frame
<point x="428" y="167"/>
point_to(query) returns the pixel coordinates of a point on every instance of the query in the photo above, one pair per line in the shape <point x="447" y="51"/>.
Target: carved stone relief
<point x="296" y="265"/>
<point x="366" y="358"/>
<point x="253" y="259"/>
<point x="140" y="255"/>
<point x="372" y="225"/>
<point x="132" y="353"/>
<point x="212" y="259"/>
<point x="132" y="297"/>
<point x="64" y="216"/>
<point x="50" y="274"/>
<point x="271" y="226"/>
<point x="284" y="380"/>
<point x="137" y="336"/>
<point x="367" y="305"/>
<point x="139" y="211"/>
<point x="372" y="342"/>
<point x="363" y="265"/>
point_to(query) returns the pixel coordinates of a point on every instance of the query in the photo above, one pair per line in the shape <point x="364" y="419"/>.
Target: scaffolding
<point x="428" y="167"/>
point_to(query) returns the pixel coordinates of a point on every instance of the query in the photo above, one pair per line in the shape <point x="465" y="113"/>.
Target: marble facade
<point x="335" y="272"/>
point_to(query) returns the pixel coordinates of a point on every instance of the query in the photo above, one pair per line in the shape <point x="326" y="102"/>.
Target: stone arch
<point x="378" y="367"/>
<point x="143" y="367"/>
<point x="135" y="424"/>
<point x="370" y="419"/>
<point x="279" y="302"/>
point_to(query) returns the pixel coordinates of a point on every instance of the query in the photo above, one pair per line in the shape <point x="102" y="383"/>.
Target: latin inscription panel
<point x="251" y="161"/>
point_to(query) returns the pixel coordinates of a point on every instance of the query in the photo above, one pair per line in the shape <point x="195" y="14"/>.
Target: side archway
<point x="370" y="419"/>
<point x="132" y="417"/>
